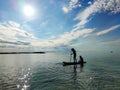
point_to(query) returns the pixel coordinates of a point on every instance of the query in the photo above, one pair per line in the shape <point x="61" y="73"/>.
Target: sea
<point x="46" y="72"/>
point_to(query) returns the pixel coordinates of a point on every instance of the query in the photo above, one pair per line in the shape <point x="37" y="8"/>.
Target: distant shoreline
<point x="22" y="52"/>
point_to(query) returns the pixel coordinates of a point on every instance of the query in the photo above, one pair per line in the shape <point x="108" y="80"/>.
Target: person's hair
<point x="72" y="48"/>
<point x="80" y="56"/>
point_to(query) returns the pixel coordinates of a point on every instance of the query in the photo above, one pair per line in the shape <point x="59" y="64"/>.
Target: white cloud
<point x="10" y="33"/>
<point x="42" y="43"/>
<point x="63" y="39"/>
<point x="14" y="24"/>
<point x="53" y="37"/>
<point x="13" y="31"/>
<point x="112" y="6"/>
<point x="72" y="4"/>
<point x="89" y="2"/>
<point x="65" y="9"/>
<point x="69" y="36"/>
<point x="111" y="42"/>
<point x="108" y="30"/>
<point x="9" y="36"/>
<point x="12" y="42"/>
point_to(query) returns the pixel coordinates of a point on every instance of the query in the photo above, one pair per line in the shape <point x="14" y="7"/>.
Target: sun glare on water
<point x="29" y="10"/>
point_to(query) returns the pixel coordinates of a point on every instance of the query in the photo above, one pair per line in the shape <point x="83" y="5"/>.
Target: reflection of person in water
<point x="75" y="67"/>
<point x="74" y="54"/>
<point x="81" y="63"/>
<point x="75" y="73"/>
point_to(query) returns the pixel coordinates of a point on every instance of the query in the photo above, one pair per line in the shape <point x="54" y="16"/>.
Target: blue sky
<point x="87" y="25"/>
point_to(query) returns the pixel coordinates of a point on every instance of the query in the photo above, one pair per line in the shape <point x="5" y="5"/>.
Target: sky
<point x="86" y="25"/>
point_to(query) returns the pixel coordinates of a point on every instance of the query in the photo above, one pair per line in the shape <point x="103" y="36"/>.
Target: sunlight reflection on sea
<point x="46" y="72"/>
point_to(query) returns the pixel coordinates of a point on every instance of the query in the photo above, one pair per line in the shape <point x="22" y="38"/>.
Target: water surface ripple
<point x="46" y="72"/>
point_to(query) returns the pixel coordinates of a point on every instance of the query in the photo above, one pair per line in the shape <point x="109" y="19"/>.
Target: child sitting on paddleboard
<point x="81" y="59"/>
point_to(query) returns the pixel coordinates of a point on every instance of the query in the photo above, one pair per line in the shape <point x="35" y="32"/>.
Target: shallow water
<point x="46" y="72"/>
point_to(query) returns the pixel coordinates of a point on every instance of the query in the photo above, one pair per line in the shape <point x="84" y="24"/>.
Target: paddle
<point x="70" y="57"/>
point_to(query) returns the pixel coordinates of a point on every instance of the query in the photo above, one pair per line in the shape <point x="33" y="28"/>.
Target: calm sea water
<point x="46" y="72"/>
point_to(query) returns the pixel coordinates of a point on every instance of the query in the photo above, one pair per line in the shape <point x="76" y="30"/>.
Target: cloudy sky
<point x="82" y="24"/>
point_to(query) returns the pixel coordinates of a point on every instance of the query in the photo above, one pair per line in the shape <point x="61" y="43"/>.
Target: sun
<point x="29" y="10"/>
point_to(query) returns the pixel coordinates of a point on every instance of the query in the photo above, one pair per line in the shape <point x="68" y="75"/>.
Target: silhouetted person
<point x="81" y="59"/>
<point x="74" y="54"/>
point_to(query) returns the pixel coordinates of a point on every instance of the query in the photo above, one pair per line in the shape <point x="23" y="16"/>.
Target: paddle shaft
<point x="70" y="57"/>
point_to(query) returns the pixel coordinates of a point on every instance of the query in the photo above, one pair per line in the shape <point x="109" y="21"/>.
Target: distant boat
<point x="72" y="63"/>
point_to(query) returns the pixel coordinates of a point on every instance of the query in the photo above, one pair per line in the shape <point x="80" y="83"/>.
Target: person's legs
<point x="75" y="60"/>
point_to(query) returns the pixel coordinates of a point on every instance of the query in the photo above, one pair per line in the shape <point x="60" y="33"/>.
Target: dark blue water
<point x="46" y="72"/>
